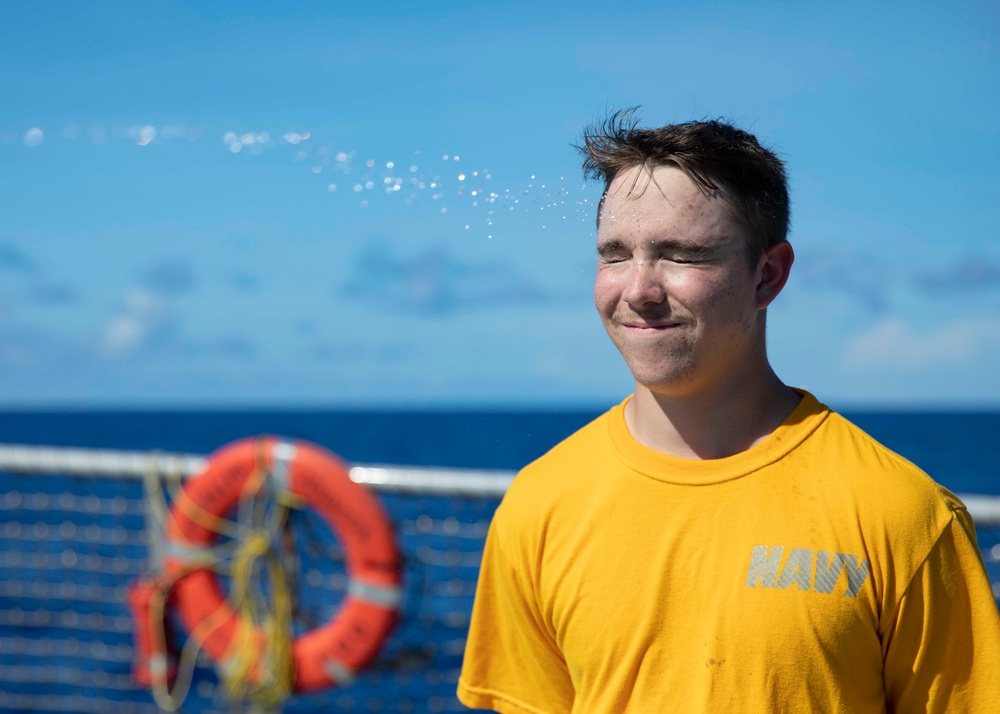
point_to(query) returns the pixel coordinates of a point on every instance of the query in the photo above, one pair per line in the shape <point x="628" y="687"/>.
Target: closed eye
<point x="612" y="252"/>
<point x="612" y="258"/>
<point x="688" y="256"/>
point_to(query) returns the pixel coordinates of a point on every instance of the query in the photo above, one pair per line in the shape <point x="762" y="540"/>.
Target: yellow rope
<point x="258" y="667"/>
<point x="265" y="677"/>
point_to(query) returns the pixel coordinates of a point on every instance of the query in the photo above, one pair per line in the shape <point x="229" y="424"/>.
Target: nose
<point x="644" y="286"/>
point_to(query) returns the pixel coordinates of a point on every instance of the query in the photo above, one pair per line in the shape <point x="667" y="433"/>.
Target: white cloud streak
<point x="895" y="344"/>
<point x="126" y="331"/>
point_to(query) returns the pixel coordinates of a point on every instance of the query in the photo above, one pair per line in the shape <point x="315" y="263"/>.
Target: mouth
<point x="645" y="328"/>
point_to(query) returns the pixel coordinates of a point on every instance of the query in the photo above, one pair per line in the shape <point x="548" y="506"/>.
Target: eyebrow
<point x="660" y="246"/>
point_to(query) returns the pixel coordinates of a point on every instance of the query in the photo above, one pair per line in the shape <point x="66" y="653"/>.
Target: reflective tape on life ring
<point x="334" y="653"/>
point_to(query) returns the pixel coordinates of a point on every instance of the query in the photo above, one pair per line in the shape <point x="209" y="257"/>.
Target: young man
<point x="720" y="542"/>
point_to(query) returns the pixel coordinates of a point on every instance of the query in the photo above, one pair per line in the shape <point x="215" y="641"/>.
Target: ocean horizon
<point x="958" y="448"/>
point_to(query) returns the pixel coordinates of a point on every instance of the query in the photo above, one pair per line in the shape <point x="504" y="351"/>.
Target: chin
<point x="661" y="380"/>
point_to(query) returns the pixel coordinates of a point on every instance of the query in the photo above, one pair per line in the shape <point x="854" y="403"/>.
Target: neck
<point x="711" y="424"/>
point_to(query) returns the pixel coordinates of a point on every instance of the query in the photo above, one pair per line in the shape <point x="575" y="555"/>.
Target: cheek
<point x="694" y="289"/>
<point x="730" y="303"/>
<point x="606" y="290"/>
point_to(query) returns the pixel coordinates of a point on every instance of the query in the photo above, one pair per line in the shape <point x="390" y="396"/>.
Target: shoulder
<point x="900" y="511"/>
<point x="868" y="501"/>
<point x="880" y="474"/>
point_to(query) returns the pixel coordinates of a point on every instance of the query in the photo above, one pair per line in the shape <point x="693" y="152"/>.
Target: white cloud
<point x="33" y="137"/>
<point x="125" y="332"/>
<point x="893" y="343"/>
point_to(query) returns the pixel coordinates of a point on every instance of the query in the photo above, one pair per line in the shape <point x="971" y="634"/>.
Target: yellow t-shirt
<point x="815" y="572"/>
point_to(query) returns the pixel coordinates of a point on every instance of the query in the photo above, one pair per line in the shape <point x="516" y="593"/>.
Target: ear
<point x="773" y="271"/>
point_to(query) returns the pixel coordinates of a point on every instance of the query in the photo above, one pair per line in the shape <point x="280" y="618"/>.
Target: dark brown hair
<point x="715" y="155"/>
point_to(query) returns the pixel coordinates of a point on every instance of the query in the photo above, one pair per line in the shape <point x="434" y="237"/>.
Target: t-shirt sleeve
<point x="942" y="646"/>
<point x="512" y="662"/>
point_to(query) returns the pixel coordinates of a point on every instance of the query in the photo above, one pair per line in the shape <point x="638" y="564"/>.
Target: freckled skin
<point x="683" y="319"/>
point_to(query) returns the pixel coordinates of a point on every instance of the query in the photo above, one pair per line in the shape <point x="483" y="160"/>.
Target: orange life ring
<point x="335" y="652"/>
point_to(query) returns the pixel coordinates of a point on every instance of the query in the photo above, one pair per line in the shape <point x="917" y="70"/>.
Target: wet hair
<point x="715" y="155"/>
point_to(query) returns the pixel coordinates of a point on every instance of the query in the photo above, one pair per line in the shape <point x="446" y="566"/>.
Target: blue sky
<point x="311" y="204"/>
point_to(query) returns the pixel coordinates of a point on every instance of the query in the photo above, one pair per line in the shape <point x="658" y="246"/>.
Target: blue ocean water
<point x="959" y="450"/>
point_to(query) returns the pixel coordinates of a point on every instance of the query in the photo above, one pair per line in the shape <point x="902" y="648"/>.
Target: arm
<point x="942" y="646"/>
<point x="512" y="662"/>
